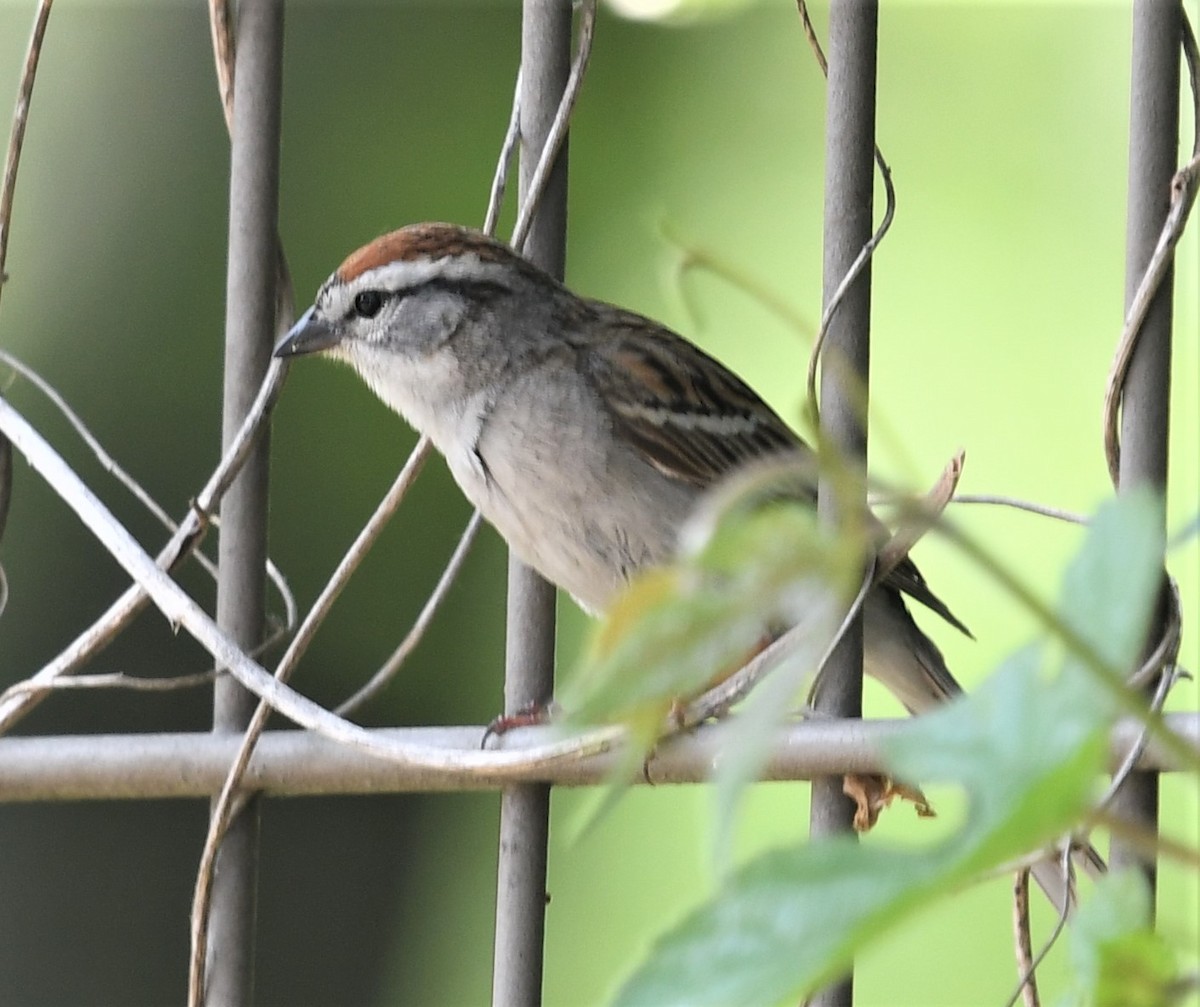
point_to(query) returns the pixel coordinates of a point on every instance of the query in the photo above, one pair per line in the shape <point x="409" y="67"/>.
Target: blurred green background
<point x="998" y="300"/>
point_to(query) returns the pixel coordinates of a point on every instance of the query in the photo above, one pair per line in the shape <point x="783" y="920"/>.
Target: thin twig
<point x="1166" y="652"/>
<point x="16" y="138"/>
<point x="1169" y="676"/>
<point x="139" y="493"/>
<point x="1148" y="842"/>
<point x="922" y="515"/>
<point x="867" y="250"/>
<point x="183" y="612"/>
<point x="183" y="541"/>
<point x="999" y="500"/>
<point x="12" y="161"/>
<point x="1184" y="187"/>
<point x="393" y="664"/>
<point x="1161" y="661"/>
<point x="1027" y="980"/>
<point x="224" y="808"/>
<point x="810" y="32"/>
<point x="223" y="55"/>
<point x="114" y="680"/>
<point x="919" y="519"/>
<point x="558" y="129"/>
<point x="107" y="461"/>
<point x="1022" y="938"/>
<point x="385" y="674"/>
<point x="698" y="257"/>
<point x="135" y="683"/>
<point x="504" y="162"/>
<point x="6" y="477"/>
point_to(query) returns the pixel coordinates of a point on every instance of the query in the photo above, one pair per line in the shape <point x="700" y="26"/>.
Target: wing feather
<point x="692" y="418"/>
<point x="696" y="421"/>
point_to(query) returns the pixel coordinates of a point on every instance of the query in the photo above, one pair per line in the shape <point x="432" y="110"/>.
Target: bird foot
<point x="527" y="716"/>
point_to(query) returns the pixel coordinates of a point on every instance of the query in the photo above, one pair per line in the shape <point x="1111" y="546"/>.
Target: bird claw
<point x="527" y="716"/>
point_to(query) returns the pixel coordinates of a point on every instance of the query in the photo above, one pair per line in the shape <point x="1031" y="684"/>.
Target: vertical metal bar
<point x="849" y="181"/>
<point x="249" y="334"/>
<point x="1145" y="405"/>
<point x="529" y="654"/>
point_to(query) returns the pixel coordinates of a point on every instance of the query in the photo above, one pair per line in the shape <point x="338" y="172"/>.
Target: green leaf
<point x="751" y="734"/>
<point x="1111" y="587"/>
<point x="793" y="919"/>
<point x="784" y="924"/>
<point x="679" y="629"/>
<point x="1027" y="752"/>
<point x="1027" y="748"/>
<point x="1119" y="961"/>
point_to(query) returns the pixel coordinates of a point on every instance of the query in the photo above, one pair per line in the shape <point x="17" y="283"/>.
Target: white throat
<point x="428" y="393"/>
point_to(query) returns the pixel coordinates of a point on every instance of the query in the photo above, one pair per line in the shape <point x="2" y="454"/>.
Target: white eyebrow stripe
<point x="407" y="273"/>
<point x="411" y="273"/>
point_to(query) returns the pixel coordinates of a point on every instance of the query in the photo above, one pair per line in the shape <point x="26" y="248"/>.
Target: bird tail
<point x="909" y="664"/>
<point x="899" y="655"/>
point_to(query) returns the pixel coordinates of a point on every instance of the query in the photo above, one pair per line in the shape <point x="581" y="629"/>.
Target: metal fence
<point x="146" y="766"/>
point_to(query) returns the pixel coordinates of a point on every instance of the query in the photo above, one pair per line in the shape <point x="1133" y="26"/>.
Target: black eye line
<point x="368" y="303"/>
<point x="476" y="290"/>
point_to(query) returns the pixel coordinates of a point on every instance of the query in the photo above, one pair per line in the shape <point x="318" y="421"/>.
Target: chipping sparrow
<point x="583" y="432"/>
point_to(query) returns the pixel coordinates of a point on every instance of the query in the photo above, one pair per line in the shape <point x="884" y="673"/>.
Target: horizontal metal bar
<point x="297" y="763"/>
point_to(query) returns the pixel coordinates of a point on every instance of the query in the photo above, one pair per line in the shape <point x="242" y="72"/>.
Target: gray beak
<point x="309" y="335"/>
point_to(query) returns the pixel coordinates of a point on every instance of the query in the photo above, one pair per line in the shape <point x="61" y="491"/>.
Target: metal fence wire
<point x="337" y="757"/>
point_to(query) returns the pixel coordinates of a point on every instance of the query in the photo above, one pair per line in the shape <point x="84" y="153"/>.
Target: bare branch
<point x="698" y="257"/>
<point x="114" y="680"/>
<point x="919" y="519"/>
<point x="8" y="190"/>
<point x="297" y="763"/>
<point x="1023" y="940"/>
<point x="223" y="55"/>
<point x="1184" y="187"/>
<point x="186" y="538"/>
<point x="394" y="663"/>
<point x="1170" y="675"/>
<point x="864" y="256"/>
<point x="114" y="468"/>
<point x="6" y="476"/>
<point x="558" y="130"/>
<point x="16" y="138"/>
<point x="182" y="611"/>
<point x="504" y="162"/>
<point x="225" y="807"/>
<point x="1183" y="195"/>
<point x="1027" y="981"/>
<point x="999" y="500"/>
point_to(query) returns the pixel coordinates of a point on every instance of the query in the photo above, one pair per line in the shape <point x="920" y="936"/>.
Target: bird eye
<point x="368" y="303"/>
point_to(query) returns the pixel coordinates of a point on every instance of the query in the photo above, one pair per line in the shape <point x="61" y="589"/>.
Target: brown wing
<point x="695" y="420"/>
<point x="692" y="418"/>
